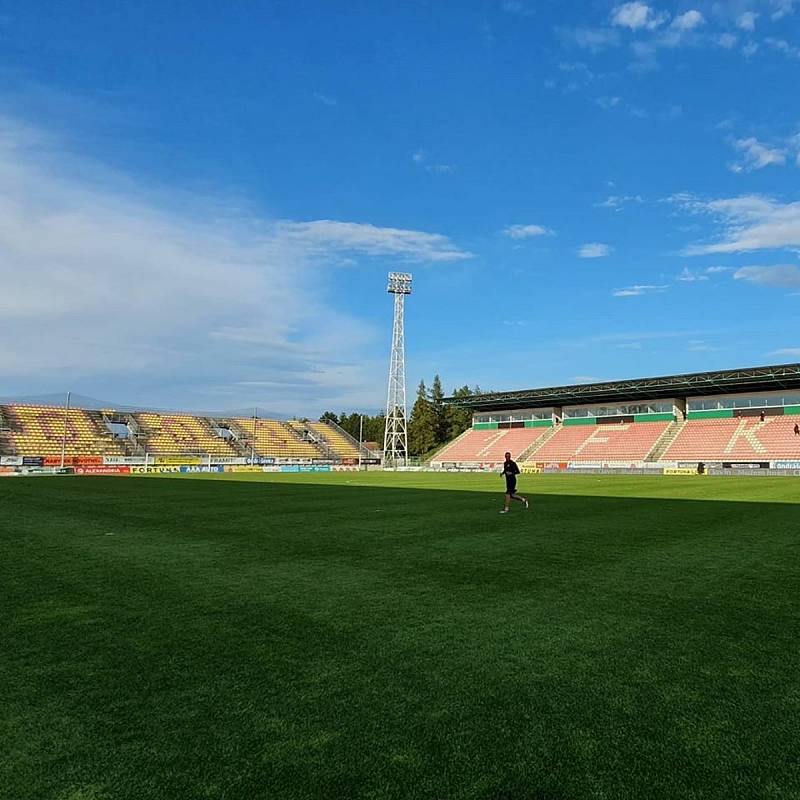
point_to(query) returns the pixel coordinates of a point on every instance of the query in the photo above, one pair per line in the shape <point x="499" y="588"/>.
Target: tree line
<point x="431" y="424"/>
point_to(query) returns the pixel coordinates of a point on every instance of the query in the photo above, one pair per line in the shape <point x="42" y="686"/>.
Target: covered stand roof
<point x="695" y="384"/>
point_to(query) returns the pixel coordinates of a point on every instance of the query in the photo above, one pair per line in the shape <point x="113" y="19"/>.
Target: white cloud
<point x="688" y="21"/>
<point x="608" y="102"/>
<point x="727" y="40"/>
<point x="751" y="222"/>
<point x="110" y="290"/>
<point x="784" y="276"/>
<point x="782" y="8"/>
<point x="638" y="290"/>
<point x="592" y="39"/>
<point x="637" y="15"/>
<point x="616" y="202"/>
<point x="594" y="250"/>
<point x="325" y="99"/>
<point x="421" y="157"/>
<point x="750" y="49"/>
<point x="699" y="346"/>
<point x="747" y="21"/>
<point x="687" y="276"/>
<point x="782" y="46"/>
<point x="525" y="231"/>
<point x="717" y="270"/>
<point x="757" y="155"/>
<point x="791" y="352"/>
<point x="326" y="236"/>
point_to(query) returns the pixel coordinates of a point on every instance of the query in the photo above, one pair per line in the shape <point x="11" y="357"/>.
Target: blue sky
<point x="200" y="201"/>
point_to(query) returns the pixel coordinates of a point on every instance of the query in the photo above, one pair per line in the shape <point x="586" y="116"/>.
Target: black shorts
<point x="511" y="487"/>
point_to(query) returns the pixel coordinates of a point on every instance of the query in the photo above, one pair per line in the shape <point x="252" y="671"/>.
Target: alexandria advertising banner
<point x="102" y="470"/>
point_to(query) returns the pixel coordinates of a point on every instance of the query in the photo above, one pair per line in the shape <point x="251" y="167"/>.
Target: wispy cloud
<point x="699" y="346"/>
<point x="687" y="276"/>
<point x="637" y="15"/>
<point x="746" y="21"/>
<point x="616" y="202"/>
<point x="751" y="222"/>
<point x="783" y="276"/>
<point x="791" y="352"/>
<point x="526" y="231"/>
<point x="638" y="290"/>
<point x="325" y="236"/>
<point x="173" y="301"/>
<point x="757" y="155"/>
<point x="608" y="102"/>
<point x="422" y="157"/>
<point x="689" y="21"/>
<point x="592" y="39"/>
<point x="782" y="46"/>
<point x="782" y="8"/>
<point x="325" y="99"/>
<point x="594" y="250"/>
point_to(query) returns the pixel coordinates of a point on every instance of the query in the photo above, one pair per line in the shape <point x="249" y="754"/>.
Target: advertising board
<point x="786" y="464"/>
<point x="11" y="461"/>
<point x="32" y="461"/>
<point x="127" y="460"/>
<point x="162" y="470"/>
<point x="104" y="469"/>
<point x="176" y="461"/>
<point x="73" y="461"/>
<point x="198" y="468"/>
<point x="680" y="471"/>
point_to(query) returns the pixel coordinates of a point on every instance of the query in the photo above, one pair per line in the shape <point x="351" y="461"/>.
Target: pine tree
<point x="458" y="419"/>
<point x="422" y="426"/>
<point x="440" y="422"/>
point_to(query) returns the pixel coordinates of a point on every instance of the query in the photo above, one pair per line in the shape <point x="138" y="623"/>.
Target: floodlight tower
<point x="395" y="439"/>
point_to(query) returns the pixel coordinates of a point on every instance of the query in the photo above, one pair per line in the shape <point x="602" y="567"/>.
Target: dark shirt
<point x="510" y="470"/>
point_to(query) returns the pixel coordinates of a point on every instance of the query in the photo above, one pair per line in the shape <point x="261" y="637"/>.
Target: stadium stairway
<point x="529" y="454"/>
<point x="338" y="441"/>
<point x="489" y="446"/>
<point x="665" y="440"/>
<point x="273" y="438"/>
<point x="306" y="432"/>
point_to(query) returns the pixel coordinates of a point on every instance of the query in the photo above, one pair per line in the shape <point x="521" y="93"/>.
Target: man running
<point x="510" y="471"/>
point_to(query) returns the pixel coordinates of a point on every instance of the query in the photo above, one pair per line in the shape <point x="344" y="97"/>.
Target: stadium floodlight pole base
<point x="395" y="439"/>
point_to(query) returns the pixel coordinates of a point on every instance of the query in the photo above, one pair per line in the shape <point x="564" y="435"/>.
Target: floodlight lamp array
<point x="399" y="283"/>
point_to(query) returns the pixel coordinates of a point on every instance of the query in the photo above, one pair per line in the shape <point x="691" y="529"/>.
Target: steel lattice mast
<point x="395" y="440"/>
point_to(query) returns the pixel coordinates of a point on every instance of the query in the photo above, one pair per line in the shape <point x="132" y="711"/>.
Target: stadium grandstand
<point x="742" y="418"/>
<point x="45" y="434"/>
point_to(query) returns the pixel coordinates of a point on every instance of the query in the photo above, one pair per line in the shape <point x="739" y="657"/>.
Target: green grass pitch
<point x="392" y="636"/>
